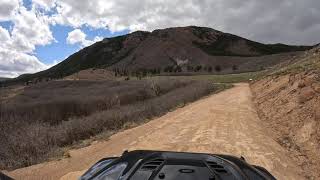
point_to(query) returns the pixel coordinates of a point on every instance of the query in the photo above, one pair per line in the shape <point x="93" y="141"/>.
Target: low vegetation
<point x="220" y="47"/>
<point x="227" y="78"/>
<point x="310" y="62"/>
<point x="36" y="124"/>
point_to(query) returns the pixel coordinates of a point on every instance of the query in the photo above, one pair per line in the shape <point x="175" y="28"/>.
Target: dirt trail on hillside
<point x="222" y="123"/>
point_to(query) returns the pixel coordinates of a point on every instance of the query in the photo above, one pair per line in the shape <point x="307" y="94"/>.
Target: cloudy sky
<point x="36" y="34"/>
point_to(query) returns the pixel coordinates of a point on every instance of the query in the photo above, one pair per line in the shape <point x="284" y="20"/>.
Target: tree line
<point x="169" y="69"/>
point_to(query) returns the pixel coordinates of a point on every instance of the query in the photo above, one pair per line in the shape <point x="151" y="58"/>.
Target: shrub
<point x="198" y="68"/>
<point x="217" y="68"/>
<point x="235" y="67"/>
<point x="57" y="113"/>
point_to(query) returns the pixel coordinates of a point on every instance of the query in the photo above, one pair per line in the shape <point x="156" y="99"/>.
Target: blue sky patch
<point x="8" y="25"/>
<point x="58" y="50"/>
<point x="27" y="4"/>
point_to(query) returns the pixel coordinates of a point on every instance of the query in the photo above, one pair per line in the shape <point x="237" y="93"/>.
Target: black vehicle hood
<point x="149" y="165"/>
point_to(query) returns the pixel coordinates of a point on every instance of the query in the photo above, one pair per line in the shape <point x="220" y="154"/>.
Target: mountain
<point x="3" y="79"/>
<point x="173" y="47"/>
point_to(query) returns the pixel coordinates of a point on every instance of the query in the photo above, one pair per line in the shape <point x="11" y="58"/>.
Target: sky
<point x="37" y="34"/>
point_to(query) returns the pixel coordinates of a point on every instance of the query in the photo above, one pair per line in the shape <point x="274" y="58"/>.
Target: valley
<point x="189" y="88"/>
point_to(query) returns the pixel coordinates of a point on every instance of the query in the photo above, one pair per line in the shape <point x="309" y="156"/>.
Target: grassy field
<point x="45" y="118"/>
<point x="227" y="79"/>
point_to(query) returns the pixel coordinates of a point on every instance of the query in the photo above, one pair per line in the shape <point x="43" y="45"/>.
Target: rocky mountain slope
<point x="289" y="103"/>
<point x="183" y="46"/>
<point x="4" y="79"/>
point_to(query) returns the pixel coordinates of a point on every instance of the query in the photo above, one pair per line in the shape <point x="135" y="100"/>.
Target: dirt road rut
<point x="222" y="123"/>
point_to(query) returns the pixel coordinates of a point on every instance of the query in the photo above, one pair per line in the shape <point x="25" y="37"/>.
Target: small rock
<point x="301" y="84"/>
<point x="317" y="113"/>
<point x="316" y="87"/>
<point x="66" y="154"/>
<point x="94" y="142"/>
<point x="293" y="91"/>
<point x="306" y="94"/>
<point x="308" y="81"/>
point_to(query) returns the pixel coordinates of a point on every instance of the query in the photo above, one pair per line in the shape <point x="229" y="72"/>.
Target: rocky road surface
<point x="226" y="123"/>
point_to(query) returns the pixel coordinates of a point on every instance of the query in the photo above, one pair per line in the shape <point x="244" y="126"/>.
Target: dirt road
<point x="223" y="123"/>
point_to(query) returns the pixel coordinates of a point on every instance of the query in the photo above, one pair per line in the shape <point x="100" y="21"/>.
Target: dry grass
<point x="308" y="62"/>
<point x="36" y="124"/>
<point x="228" y="78"/>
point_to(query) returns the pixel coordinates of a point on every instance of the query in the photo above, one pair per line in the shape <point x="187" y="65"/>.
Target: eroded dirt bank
<point x="223" y="123"/>
<point x="290" y="105"/>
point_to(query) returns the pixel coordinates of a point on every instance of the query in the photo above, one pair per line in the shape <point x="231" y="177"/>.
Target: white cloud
<point x="4" y="35"/>
<point x="45" y="4"/>
<point x="78" y="37"/>
<point x="30" y="29"/>
<point x="8" y="9"/>
<point x="76" y="14"/>
<point x="288" y="21"/>
<point x="14" y="63"/>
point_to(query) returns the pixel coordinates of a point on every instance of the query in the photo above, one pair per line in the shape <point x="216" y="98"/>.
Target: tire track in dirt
<point x="224" y="123"/>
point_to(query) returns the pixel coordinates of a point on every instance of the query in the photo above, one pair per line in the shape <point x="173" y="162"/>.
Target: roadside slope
<point x="223" y="123"/>
<point x="288" y="101"/>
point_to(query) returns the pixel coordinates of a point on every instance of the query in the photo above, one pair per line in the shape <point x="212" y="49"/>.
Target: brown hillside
<point x="289" y="103"/>
<point x="92" y="74"/>
<point x="179" y="46"/>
